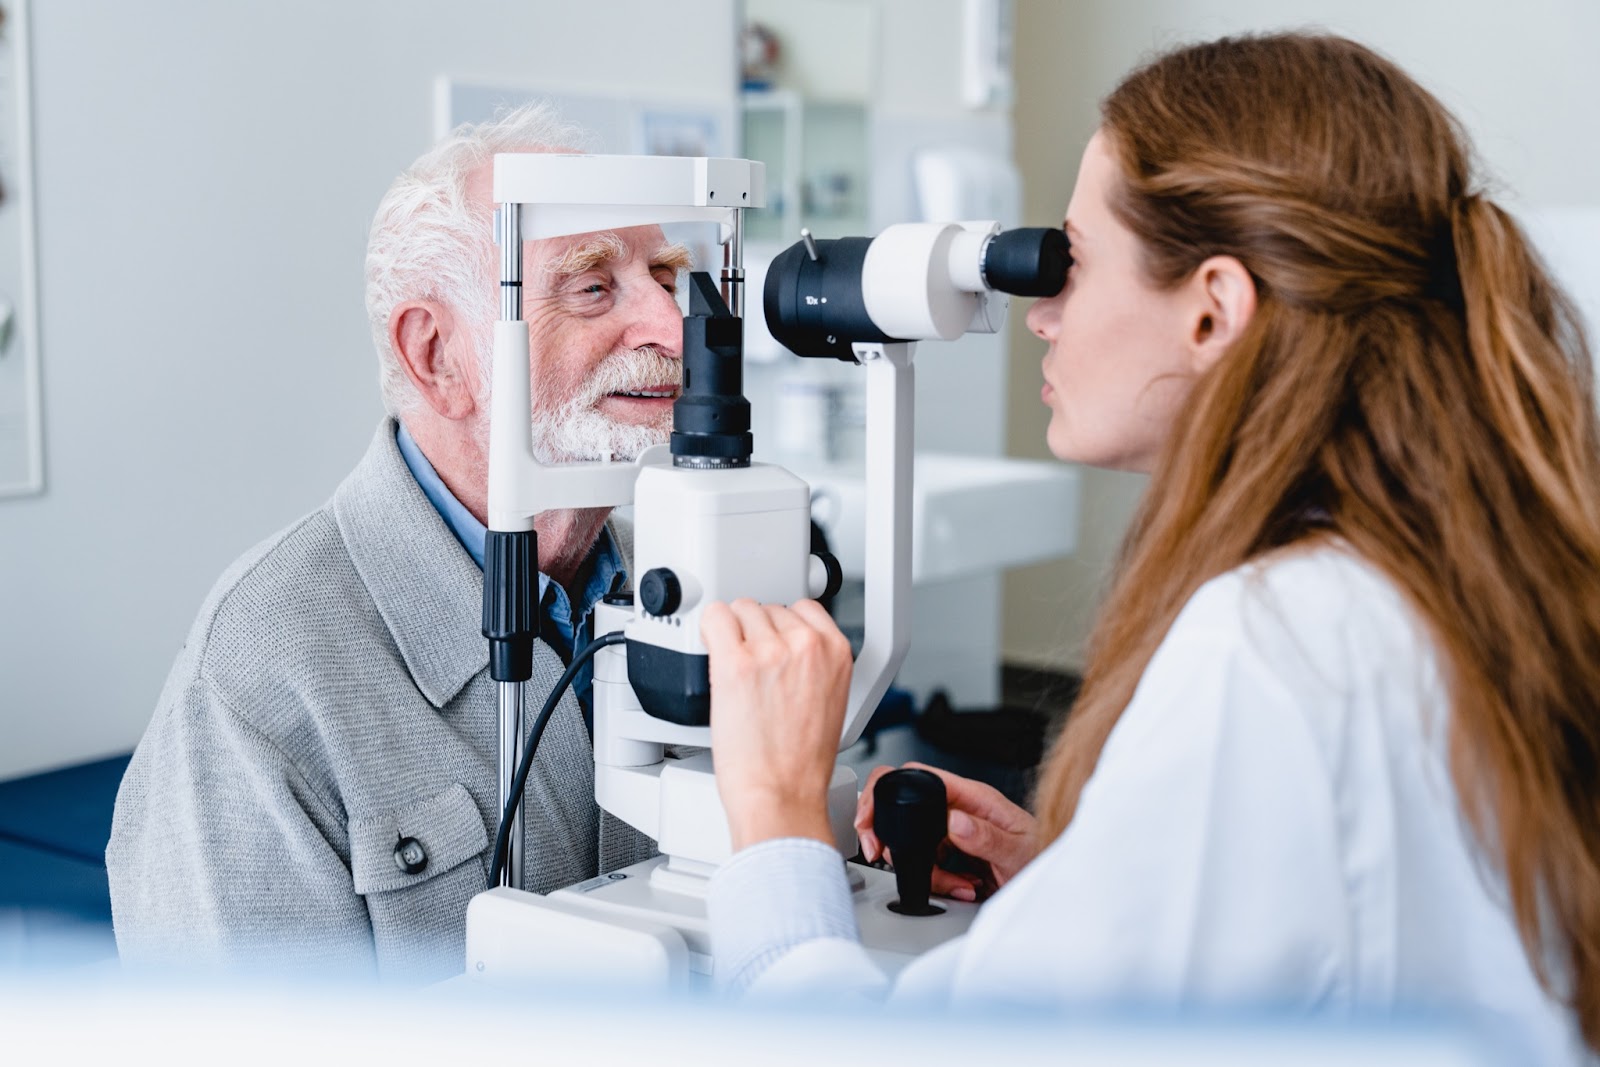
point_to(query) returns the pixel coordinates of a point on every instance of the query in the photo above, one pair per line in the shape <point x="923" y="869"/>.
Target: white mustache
<point x="575" y="430"/>
<point x="630" y="370"/>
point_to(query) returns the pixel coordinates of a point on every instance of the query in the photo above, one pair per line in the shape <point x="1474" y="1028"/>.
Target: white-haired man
<point x="318" y="788"/>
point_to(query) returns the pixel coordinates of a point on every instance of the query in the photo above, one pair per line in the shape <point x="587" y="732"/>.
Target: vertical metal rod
<point x="511" y="745"/>
<point x="508" y="222"/>
<point x="733" y="266"/>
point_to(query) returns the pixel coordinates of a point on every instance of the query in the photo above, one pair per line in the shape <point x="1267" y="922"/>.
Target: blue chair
<point x="55" y="905"/>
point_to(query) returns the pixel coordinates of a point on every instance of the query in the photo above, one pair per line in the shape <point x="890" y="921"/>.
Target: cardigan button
<point x="410" y="856"/>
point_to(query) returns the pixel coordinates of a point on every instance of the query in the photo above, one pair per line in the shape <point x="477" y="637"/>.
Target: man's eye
<point x="597" y="288"/>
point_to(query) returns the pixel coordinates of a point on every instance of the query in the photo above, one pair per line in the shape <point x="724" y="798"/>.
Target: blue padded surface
<point x="67" y="812"/>
<point x="53" y="910"/>
<point x="55" y="903"/>
<point x="37" y="880"/>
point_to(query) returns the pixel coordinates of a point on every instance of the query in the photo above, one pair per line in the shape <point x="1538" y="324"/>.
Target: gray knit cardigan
<point x="333" y="698"/>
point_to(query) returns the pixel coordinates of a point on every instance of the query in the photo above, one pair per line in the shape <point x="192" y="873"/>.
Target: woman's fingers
<point x="871" y="847"/>
<point x="754" y="621"/>
<point x="981" y="823"/>
<point x="817" y="617"/>
<point x="784" y="674"/>
<point x="719" y="628"/>
<point x="1006" y="849"/>
<point x="953" y="885"/>
<point x="982" y="801"/>
<point x="778" y="690"/>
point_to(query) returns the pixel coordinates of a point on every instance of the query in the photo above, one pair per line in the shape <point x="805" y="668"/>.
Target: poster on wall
<point x="21" y="439"/>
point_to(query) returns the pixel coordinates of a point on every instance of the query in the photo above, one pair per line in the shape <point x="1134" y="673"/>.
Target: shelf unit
<point x="817" y="167"/>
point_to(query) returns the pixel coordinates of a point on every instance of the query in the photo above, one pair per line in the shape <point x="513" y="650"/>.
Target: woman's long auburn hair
<point x="1411" y="382"/>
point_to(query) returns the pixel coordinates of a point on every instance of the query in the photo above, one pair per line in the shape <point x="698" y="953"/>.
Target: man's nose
<point x="1044" y="316"/>
<point x="655" y="319"/>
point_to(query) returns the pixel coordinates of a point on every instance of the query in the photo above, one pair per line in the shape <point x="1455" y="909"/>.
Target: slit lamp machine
<point x="711" y="525"/>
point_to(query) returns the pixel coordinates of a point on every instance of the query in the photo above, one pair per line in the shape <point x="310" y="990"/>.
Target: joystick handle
<point x="909" y="816"/>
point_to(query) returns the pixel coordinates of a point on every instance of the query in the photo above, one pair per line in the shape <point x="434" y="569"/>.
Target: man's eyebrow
<point x="676" y="257"/>
<point x="604" y="247"/>
<point x="601" y="248"/>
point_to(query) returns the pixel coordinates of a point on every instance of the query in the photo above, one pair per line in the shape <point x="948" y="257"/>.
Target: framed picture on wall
<point x="21" y="436"/>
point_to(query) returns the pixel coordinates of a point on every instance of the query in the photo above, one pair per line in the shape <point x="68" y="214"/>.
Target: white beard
<point x="576" y="430"/>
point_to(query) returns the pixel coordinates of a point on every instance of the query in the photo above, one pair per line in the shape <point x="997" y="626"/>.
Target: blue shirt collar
<point x="465" y="525"/>
<point x="595" y="576"/>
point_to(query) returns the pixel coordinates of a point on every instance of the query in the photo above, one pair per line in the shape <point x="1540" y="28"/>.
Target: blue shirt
<point x="560" y="628"/>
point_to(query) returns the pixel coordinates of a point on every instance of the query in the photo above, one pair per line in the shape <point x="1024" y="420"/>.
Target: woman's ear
<point x="1224" y="303"/>
<point x="423" y="333"/>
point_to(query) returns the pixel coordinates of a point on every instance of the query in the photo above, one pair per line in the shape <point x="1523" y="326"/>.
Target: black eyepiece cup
<point x="1031" y="261"/>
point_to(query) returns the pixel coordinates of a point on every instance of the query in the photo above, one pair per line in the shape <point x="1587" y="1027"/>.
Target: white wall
<point x="1523" y="77"/>
<point x="206" y="174"/>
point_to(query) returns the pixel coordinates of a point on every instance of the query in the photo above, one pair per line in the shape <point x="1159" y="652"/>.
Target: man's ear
<point x="434" y="353"/>
<point x="1224" y="303"/>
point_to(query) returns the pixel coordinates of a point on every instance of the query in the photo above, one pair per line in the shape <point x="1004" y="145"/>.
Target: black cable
<point x="514" y="801"/>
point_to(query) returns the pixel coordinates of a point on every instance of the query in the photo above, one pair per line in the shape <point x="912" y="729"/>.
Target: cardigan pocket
<point x="407" y="847"/>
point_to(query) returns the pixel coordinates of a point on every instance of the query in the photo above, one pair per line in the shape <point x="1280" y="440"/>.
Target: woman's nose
<point x="1043" y="317"/>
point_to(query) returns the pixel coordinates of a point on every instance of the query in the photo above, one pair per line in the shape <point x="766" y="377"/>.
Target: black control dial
<point x="909" y="815"/>
<point x="659" y="591"/>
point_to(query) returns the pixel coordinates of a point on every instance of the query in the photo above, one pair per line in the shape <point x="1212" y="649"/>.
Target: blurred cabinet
<point x="817" y="165"/>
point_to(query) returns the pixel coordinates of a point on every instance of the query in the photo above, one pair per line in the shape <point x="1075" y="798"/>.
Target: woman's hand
<point x="779" y="681"/>
<point x="983" y="825"/>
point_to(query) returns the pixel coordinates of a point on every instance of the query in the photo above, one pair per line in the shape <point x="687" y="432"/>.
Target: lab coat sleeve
<point x="783" y="930"/>
<point x="223" y="856"/>
<point x="783" y="897"/>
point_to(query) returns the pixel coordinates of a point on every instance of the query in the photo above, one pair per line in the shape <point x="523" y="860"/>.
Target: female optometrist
<point x="1338" y="739"/>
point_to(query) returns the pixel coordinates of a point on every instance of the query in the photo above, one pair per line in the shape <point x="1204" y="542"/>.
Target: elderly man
<point x="318" y="786"/>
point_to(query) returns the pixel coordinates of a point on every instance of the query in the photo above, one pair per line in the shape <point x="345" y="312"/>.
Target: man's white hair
<point x="429" y="241"/>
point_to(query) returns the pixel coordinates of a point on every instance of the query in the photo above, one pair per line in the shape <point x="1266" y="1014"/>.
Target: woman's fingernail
<point x="964" y="892"/>
<point x="961" y="824"/>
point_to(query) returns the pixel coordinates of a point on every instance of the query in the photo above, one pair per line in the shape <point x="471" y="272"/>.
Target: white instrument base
<point x="646" y="926"/>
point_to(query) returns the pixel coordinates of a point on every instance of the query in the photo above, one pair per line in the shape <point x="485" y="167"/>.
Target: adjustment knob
<point x="909" y="815"/>
<point x="659" y="591"/>
<point x="824" y="576"/>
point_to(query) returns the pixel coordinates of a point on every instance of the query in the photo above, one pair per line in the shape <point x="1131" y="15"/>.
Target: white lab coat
<point x="1272" y="823"/>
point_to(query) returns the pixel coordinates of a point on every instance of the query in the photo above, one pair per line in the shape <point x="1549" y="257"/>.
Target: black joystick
<point x="909" y="817"/>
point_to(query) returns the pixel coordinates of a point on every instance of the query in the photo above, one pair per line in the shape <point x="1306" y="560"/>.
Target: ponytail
<point x="1526" y="762"/>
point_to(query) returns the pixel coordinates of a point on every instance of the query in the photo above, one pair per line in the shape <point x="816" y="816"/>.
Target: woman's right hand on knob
<point x="983" y="824"/>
